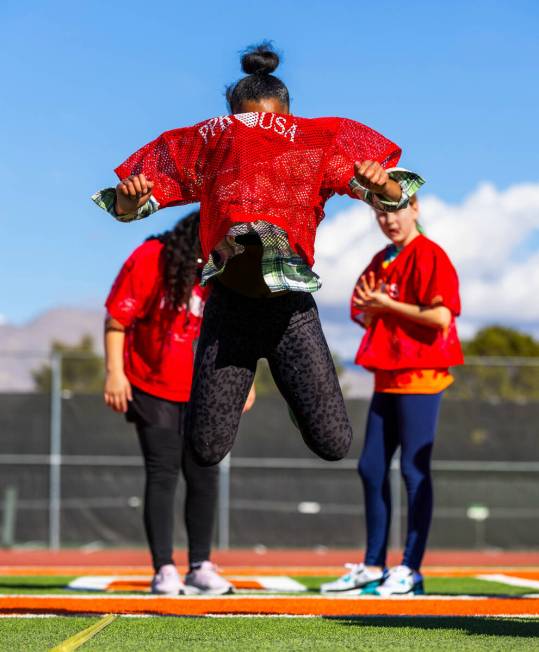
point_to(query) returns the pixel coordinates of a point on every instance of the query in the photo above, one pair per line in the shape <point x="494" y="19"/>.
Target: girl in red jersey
<point x="407" y="300"/>
<point x="154" y="314"/>
<point x="262" y="177"/>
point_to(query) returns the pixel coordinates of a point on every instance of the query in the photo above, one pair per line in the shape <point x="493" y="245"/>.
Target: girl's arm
<point x="436" y="316"/>
<point x="132" y="193"/>
<point x="250" y="399"/>
<point x="372" y="176"/>
<point x="117" y="390"/>
<point x="371" y="299"/>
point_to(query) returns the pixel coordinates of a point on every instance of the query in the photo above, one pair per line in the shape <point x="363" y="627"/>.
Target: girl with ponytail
<point x="262" y="176"/>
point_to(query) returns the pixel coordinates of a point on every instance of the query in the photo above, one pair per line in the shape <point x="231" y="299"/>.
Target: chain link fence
<point x="71" y="473"/>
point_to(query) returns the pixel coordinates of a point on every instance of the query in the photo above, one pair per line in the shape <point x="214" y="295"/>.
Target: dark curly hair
<point x="180" y="258"/>
<point x="257" y="62"/>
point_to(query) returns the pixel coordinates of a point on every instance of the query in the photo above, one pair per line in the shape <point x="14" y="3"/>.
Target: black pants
<point x="236" y="332"/>
<point x="160" y="427"/>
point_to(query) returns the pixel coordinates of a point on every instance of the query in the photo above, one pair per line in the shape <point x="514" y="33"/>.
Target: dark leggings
<point x="286" y="330"/>
<point x="160" y="427"/>
<point x="408" y="420"/>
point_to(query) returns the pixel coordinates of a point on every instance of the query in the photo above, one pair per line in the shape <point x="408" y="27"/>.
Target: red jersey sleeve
<point x="174" y="162"/>
<point x="437" y="280"/>
<point x="134" y="288"/>
<point x="356" y="142"/>
<point x="356" y="314"/>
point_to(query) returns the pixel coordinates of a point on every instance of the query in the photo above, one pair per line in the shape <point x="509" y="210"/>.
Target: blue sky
<point x="87" y="83"/>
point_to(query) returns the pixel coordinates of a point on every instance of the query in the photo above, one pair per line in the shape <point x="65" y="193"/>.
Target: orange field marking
<point x="237" y="605"/>
<point x="144" y="585"/>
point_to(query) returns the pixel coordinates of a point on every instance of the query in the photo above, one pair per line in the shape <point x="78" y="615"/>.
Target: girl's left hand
<point x="371" y="175"/>
<point x="369" y="295"/>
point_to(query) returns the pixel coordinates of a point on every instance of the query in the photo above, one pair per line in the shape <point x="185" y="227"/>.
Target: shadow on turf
<point x="471" y="625"/>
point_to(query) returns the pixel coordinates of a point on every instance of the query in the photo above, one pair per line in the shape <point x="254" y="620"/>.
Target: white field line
<point x="35" y="616"/>
<point x="289" y="616"/>
<point x="510" y="580"/>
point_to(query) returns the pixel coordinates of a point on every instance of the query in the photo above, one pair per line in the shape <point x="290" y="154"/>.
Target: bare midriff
<point x="243" y="274"/>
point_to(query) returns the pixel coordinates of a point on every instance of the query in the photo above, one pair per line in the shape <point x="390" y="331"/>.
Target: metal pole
<point x="55" y="458"/>
<point x="9" y="517"/>
<point x="396" y="512"/>
<point x="223" y="534"/>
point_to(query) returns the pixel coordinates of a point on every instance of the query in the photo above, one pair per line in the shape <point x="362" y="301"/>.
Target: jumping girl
<point x="407" y="300"/>
<point x="154" y="314"/>
<point x="262" y="177"/>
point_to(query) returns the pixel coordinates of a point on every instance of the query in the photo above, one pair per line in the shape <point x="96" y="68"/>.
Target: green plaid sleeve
<point x="288" y="273"/>
<point x="410" y="183"/>
<point x="106" y="199"/>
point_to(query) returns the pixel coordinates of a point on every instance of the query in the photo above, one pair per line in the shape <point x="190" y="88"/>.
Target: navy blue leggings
<point x="408" y="420"/>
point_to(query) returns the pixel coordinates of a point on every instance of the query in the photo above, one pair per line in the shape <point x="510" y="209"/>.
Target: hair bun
<point x="259" y="59"/>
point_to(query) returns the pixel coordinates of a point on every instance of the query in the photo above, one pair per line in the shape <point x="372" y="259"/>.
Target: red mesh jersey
<point x="421" y="274"/>
<point x="259" y="166"/>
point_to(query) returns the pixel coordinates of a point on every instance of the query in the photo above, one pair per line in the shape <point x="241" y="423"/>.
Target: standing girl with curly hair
<point x="154" y="314"/>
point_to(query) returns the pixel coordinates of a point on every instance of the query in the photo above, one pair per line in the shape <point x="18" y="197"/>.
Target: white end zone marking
<point x="510" y="580"/>
<point x="95" y="583"/>
<point x="282" y="583"/>
<point x="267" y="583"/>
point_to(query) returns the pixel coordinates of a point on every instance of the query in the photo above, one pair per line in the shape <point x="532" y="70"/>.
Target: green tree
<point x="82" y="368"/>
<point x="498" y="380"/>
<point x="502" y="341"/>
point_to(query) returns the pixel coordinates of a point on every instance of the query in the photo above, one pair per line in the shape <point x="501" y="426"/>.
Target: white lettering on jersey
<point x="223" y="121"/>
<point x="393" y="290"/>
<point x="292" y="132"/>
<point x="269" y="121"/>
<point x="261" y="121"/>
<point x="196" y="305"/>
<point x="279" y="124"/>
<point x="248" y="119"/>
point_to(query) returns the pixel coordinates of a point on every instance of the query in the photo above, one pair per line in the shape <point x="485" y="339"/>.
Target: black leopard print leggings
<point x="236" y="332"/>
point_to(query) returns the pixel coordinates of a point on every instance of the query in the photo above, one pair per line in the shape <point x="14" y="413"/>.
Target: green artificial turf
<point x="252" y="634"/>
<point x="39" y="634"/>
<point x="41" y="584"/>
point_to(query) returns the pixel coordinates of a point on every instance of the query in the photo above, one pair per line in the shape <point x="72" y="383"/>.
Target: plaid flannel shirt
<point x="282" y="268"/>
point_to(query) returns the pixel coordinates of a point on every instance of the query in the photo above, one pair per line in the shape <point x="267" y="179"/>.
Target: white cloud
<point x="490" y="238"/>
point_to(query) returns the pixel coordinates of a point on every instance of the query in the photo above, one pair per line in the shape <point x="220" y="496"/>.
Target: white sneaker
<point x="167" y="581"/>
<point x="356" y="580"/>
<point x="206" y="579"/>
<point x="401" y="580"/>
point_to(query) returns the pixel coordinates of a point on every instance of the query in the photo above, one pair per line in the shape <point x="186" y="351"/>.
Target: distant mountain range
<point x="26" y="347"/>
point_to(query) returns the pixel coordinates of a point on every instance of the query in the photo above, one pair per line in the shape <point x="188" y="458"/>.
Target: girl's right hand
<point x="132" y="193"/>
<point x="117" y="391"/>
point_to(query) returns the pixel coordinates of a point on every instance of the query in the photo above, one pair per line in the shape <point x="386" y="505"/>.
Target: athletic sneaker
<point x="358" y="579"/>
<point x="206" y="579"/>
<point x="401" y="580"/>
<point x="167" y="581"/>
